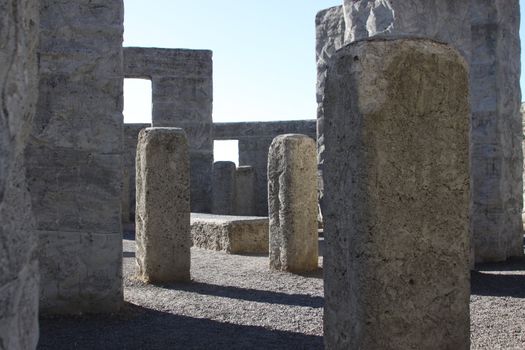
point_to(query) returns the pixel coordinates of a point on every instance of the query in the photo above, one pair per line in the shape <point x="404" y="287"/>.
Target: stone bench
<point x="230" y="234"/>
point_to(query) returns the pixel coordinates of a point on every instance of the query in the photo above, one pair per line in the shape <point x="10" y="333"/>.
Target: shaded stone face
<point x="18" y="96"/>
<point x="74" y="163"/>
<point x="163" y="205"/>
<point x="292" y="203"/>
<point x="397" y="197"/>
<point x="223" y="187"/>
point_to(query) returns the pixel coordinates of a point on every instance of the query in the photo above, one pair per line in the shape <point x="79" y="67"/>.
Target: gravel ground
<point x="235" y="302"/>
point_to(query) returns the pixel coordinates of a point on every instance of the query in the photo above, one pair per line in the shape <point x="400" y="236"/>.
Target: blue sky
<point x="263" y="52"/>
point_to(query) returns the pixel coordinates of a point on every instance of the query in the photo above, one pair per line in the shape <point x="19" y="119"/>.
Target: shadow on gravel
<point x="483" y="282"/>
<point x="139" y="328"/>
<point x="261" y="296"/>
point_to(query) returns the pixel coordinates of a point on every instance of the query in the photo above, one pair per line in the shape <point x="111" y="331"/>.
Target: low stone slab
<point x="230" y="234"/>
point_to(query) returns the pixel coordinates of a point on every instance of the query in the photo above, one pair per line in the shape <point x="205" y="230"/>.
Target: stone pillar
<point x="163" y="205"/>
<point x="497" y="156"/>
<point x="223" y="187"/>
<point x="244" y="202"/>
<point x="397" y="197"/>
<point x="74" y="158"/>
<point x="18" y="97"/>
<point x="292" y="203"/>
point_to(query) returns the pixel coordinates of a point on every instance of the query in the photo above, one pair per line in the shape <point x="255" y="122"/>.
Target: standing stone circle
<point x="292" y="203"/>
<point x="163" y="205"/>
<point x="223" y="187"/>
<point x="396" y="259"/>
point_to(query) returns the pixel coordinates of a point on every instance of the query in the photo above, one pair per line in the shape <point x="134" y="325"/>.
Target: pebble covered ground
<point x="235" y="302"/>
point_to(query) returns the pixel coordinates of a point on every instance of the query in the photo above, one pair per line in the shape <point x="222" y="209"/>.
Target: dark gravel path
<point x="235" y="302"/>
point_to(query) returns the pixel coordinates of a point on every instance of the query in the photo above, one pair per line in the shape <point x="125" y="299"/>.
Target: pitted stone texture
<point x="292" y="203"/>
<point x="397" y="197"/>
<point x="223" y="187"/>
<point x="497" y="156"/>
<point x="182" y="97"/>
<point x="244" y="200"/>
<point x="74" y="160"/>
<point x="18" y="97"/>
<point x="163" y="205"/>
<point x="230" y="234"/>
<point x="254" y="141"/>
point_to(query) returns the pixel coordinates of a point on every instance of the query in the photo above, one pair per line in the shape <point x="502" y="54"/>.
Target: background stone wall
<point x="18" y="96"/>
<point x="182" y="88"/>
<point x="254" y="142"/>
<point x="74" y="160"/>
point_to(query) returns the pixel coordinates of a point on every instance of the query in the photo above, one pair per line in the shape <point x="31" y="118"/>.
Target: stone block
<point x="163" y="205"/>
<point x="292" y="203"/>
<point x="223" y="187"/>
<point x="19" y="276"/>
<point x="230" y="234"/>
<point x="244" y="199"/>
<point x="396" y="259"/>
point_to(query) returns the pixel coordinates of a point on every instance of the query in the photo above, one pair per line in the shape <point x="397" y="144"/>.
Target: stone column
<point x="244" y="202"/>
<point x="223" y="187"/>
<point x="74" y="157"/>
<point x="292" y="203"/>
<point x="163" y="205"/>
<point x="397" y="197"/>
<point x="19" y="275"/>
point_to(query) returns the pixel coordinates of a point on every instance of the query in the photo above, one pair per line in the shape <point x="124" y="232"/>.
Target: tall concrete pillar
<point x="244" y="202"/>
<point x="223" y="187"/>
<point x="292" y="203"/>
<point x="163" y="205"/>
<point x="19" y="275"/>
<point x="397" y="197"/>
<point x="74" y="158"/>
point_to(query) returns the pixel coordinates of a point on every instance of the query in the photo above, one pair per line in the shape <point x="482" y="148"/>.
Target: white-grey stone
<point x="292" y="203"/>
<point x="163" y="205"/>
<point x="230" y="234"/>
<point x="18" y="97"/>
<point x="396" y="258"/>
<point x="223" y="187"/>
<point x="74" y="158"/>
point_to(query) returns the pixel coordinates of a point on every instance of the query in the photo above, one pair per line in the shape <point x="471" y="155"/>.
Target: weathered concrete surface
<point x="223" y="187"/>
<point x="254" y="141"/>
<point x="292" y="203"/>
<point x="244" y="199"/>
<point x="486" y="33"/>
<point x="74" y="160"/>
<point x="230" y="234"/>
<point x="131" y="135"/>
<point x="18" y="96"/>
<point x="397" y="197"/>
<point x="163" y="205"/>
<point x="497" y="156"/>
<point x="182" y="88"/>
<point x="330" y="32"/>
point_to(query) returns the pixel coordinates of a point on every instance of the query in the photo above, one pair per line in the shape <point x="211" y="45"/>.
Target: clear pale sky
<point x="263" y="53"/>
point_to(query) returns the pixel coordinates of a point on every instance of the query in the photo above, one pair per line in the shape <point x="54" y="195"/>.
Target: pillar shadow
<point x="498" y="285"/>
<point x="255" y="295"/>
<point x="140" y="328"/>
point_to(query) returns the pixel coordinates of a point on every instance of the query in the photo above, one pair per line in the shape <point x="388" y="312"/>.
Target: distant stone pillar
<point x="223" y="187"/>
<point x="292" y="203"/>
<point x="244" y="203"/>
<point x="397" y="197"/>
<point x="163" y="205"/>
